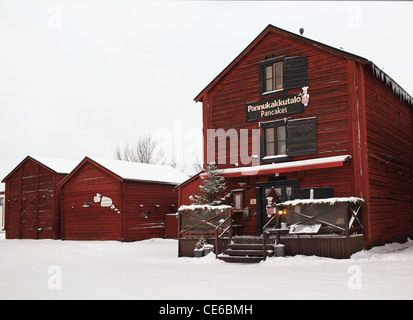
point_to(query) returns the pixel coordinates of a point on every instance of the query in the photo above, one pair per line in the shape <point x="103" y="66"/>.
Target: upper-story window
<point x="274" y="77"/>
<point x="275" y="140"/>
<point x="278" y="74"/>
<point x="283" y="139"/>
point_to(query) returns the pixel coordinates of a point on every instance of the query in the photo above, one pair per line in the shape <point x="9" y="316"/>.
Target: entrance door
<point x="28" y="227"/>
<point x="276" y="192"/>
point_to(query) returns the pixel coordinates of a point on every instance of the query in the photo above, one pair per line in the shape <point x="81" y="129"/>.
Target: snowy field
<point x="49" y="269"/>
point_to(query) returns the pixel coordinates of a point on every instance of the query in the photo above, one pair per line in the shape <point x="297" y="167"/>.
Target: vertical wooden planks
<point x="137" y="209"/>
<point x="390" y="151"/>
<point x="31" y="211"/>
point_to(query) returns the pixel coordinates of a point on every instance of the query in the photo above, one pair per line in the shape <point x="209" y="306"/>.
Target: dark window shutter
<point x="301" y="137"/>
<point x="295" y="72"/>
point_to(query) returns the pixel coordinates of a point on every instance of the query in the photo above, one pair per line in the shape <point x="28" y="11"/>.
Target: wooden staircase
<point x="246" y="250"/>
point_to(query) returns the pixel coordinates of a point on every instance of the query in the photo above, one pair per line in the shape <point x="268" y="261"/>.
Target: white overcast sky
<point x="79" y="77"/>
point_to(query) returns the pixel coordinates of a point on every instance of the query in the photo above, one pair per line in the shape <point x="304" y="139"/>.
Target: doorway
<point x="276" y="192"/>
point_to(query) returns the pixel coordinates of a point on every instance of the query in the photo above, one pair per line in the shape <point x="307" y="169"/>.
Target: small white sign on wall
<point x="106" y="202"/>
<point x="305" y="228"/>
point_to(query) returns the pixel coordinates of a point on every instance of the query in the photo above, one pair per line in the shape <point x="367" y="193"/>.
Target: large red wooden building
<point x="117" y="200"/>
<point x="292" y="118"/>
<point x="32" y="200"/>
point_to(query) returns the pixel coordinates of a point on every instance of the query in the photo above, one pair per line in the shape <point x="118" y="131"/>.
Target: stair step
<point x="245" y="252"/>
<point x="249" y="246"/>
<point x="240" y="259"/>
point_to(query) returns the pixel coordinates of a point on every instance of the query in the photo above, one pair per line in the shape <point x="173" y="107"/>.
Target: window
<point x="274" y="77"/>
<point x="238" y="200"/>
<point x="278" y="74"/>
<point x="275" y="140"/>
<point x="282" y="139"/>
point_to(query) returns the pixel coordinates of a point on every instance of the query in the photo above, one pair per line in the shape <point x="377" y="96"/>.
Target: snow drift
<point x="150" y="269"/>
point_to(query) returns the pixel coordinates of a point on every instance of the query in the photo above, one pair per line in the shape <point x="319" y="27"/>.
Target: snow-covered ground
<point x="150" y="269"/>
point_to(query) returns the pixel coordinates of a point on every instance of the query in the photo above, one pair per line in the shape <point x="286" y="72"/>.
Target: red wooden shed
<point x="292" y="118"/>
<point x="31" y="201"/>
<point x="117" y="200"/>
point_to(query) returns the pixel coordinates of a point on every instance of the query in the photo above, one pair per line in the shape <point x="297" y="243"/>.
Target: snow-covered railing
<point x="333" y="215"/>
<point x="207" y="221"/>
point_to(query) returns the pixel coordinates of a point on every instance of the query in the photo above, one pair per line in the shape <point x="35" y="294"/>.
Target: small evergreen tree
<point x="213" y="188"/>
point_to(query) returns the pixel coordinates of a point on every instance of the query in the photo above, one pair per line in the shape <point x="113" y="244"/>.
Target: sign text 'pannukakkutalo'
<point x="276" y="107"/>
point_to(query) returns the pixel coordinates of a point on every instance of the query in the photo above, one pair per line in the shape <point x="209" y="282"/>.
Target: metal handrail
<point x="264" y="236"/>
<point x="269" y="221"/>
<point x="218" y="248"/>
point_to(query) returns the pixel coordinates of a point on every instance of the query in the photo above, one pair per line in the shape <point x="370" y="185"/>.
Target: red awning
<point x="300" y="165"/>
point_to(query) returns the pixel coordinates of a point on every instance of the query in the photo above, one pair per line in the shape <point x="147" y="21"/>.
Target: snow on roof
<point x="284" y="165"/>
<point x="205" y="207"/>
<point x="143" y="171"/>
<point x="330" y="201"/>
<point x="57" y="165"/>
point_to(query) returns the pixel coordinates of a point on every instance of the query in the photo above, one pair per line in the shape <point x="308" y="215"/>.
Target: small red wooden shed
<point x="31" y="202"/>
<point x="117" y="200"/>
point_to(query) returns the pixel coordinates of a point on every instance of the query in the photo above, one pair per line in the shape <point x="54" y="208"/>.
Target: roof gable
<point x="143" y="171"/>
<point x="56" y="165"/>
<point x="133" y="171"/>
<point x="397" y="90"/>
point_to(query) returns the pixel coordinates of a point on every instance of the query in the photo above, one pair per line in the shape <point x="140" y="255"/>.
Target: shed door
<point x="28" y="227"/>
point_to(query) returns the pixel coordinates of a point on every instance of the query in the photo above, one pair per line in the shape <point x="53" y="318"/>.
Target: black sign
<point x="275" y="107"/>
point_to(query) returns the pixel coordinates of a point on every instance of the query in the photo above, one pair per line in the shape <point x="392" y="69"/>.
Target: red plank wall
<point x="158" y="199"/>
<point x="327" y="74"/>
<point x="141" y="207"/>
<point x="32" y="202"/>
<point x="94" y="222"/>
<point x="390" y="153"/>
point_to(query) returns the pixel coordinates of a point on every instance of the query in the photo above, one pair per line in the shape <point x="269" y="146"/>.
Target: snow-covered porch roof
<point x="300" y="165"/>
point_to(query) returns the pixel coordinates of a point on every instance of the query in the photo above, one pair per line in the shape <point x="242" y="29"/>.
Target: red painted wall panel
<point x="93" y="222"/>
<point x="146" y="207"/>
<point x="327" y="76"/>
<point x="138" y="211"/>
<point x="32" y="202"/>
<point x="390" y="153"/>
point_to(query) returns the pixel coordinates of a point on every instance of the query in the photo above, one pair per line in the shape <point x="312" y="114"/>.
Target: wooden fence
<point x="214" y="223"/>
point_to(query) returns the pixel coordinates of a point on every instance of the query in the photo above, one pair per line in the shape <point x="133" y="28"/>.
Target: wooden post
<point x="122" y="213"/>
<point x="264" y="245"/>
<point x="357" y="108"/>
<point x="20" y="208"/>
<point x="36" y="203"/>
<point x="278" y="226"/>
<point x="62" y="217"/>
<point x="346" y="225"/>
<point x="6" y="206"/>
<point x="55" y="212"/>
<point x="216" y="244"/>
<point x="179" y="233"/>
<point x="259" y="217"/>
<point x="230" y="224"/>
